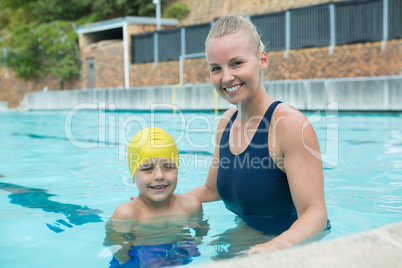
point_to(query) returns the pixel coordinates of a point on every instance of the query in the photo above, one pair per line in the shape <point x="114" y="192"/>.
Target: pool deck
<point x="381" y="247"/>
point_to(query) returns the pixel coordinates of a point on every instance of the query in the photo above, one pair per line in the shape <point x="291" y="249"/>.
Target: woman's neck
<point x="256" y="105"/>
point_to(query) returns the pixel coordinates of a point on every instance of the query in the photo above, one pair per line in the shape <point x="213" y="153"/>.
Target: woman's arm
<point x="299" y="147"/>
<point x="208" y="191"/>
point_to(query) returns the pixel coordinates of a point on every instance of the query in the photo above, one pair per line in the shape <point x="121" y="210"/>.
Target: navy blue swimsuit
<point x="251" y="184"/>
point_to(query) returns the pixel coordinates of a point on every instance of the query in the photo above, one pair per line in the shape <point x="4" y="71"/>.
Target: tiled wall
<point x="13" y="88"/>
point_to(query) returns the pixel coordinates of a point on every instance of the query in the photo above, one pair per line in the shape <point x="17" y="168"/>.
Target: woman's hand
<point x="273" y="245"/>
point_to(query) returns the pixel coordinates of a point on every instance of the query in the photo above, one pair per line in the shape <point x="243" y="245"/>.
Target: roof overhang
<point x="119" y="22"/>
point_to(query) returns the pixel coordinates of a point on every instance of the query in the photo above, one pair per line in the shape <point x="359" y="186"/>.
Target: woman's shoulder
<point x="229" y="112"/>
<point x="225" y="118"/>
<point x="291" y="126"/>
<point x="286" y="115"/>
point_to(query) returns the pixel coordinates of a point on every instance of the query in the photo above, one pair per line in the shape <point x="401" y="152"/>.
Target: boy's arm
<point x="116" y="229"/>
<point x="118" y="243"/>
<point x="124" y="216"/>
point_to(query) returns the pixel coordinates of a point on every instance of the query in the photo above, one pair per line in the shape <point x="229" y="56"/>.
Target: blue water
<point x="62" y="174"/>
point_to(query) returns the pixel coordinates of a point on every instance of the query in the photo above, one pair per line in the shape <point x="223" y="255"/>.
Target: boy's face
<point x="156" y="179"/>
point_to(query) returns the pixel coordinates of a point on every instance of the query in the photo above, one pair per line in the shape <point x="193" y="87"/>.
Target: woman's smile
<point x="233" y="89"/>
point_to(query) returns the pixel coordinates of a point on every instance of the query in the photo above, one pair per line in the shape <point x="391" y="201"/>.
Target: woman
<point x="263" y="169"/>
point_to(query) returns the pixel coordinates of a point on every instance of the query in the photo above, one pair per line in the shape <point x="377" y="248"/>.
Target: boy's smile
<point x="156" y="180"/>
<point x="158" y="188"/>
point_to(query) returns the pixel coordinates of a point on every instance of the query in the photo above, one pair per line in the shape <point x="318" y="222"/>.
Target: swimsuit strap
<point x="270" y="111"/>
<point x="268" y="115"/>
<point x="263" y="127"/>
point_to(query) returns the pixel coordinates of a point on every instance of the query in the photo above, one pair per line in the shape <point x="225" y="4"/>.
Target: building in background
<point x="105" y="49"/>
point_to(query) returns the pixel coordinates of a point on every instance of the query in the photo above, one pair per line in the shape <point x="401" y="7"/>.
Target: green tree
<point x="46" y="48"/>
<point x="15" y="4"/>
<point x="177" y="10"/>
<point x="120" y="8"/>
<point x="52" y="10"/>
<point x="40" y="34"/>
<point x="22" y="56"/>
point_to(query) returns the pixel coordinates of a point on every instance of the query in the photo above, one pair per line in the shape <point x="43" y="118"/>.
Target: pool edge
<point x="380" y="247"/>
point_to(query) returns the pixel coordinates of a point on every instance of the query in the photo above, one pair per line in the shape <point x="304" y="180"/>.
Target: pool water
<point x="62" y="174"/>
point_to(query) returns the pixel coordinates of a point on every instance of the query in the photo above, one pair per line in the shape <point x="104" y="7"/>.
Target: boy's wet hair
<point x="232" y="23"/>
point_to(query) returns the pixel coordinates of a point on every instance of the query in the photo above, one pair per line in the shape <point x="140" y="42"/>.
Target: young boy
<point x="153" y="160"/>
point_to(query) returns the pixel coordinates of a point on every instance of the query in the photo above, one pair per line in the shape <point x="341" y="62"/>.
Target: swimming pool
<point x="64" y="173"/>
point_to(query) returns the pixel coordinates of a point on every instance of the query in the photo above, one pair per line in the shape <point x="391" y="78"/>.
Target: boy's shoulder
<point x="189" y="203"/>
<point x="126" y="212"/>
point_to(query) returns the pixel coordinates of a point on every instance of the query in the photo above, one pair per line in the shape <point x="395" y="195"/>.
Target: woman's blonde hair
<point x="232" y="23"/>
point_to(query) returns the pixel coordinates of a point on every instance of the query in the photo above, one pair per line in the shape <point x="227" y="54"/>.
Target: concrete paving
<point x="378" y="248"/>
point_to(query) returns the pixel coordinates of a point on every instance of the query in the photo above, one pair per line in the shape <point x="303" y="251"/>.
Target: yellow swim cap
<point x="150" y="143"/>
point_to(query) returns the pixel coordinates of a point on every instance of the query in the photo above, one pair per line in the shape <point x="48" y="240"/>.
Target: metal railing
<point x="321" y="25"/>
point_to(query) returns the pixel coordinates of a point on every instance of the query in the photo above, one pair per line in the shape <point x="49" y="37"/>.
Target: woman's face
<point x="234" y="67"/>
